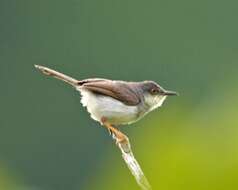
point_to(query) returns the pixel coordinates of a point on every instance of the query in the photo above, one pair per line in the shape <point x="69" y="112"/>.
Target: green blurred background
<point x="48" y="141"/>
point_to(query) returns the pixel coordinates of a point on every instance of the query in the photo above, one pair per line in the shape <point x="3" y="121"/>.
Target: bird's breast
<point x="116" y="112"/>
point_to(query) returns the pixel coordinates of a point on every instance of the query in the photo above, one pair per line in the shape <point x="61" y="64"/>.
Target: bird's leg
<point x="118" y="135"/>
<point x="121" y="139"/>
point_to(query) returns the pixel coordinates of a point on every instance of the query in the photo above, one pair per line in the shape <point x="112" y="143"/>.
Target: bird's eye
<point x="154" y="91"/>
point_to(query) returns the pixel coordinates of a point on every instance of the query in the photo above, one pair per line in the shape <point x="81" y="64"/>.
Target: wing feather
<point x="115" y="89"/>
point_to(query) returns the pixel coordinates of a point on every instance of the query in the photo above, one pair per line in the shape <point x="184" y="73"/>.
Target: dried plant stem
<point x="132" y="164"/>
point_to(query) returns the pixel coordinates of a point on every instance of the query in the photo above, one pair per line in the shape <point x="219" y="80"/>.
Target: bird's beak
<point x="170" y="93"/>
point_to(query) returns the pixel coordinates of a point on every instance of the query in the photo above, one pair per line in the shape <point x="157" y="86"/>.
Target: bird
<point x="113" y="103"/>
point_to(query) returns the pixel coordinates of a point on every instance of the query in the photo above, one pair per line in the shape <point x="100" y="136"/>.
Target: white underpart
<point x="104" y="106"/>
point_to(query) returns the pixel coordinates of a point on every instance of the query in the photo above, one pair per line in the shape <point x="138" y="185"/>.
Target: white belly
<point x="113" y="110"/>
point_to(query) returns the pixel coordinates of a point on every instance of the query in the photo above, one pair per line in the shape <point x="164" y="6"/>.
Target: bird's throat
<point x="153" y="102"/>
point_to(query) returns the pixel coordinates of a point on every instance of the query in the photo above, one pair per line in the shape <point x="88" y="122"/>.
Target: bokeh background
<point x="48" y="141"/>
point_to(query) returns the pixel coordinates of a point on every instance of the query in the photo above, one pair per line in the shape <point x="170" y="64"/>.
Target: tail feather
<point x="58" y="75"/>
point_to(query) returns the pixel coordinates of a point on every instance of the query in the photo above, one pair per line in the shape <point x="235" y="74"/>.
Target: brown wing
<point x="115" y="89"/>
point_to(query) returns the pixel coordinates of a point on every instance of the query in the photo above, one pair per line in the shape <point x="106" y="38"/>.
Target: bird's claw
<point x="124" y="144"/>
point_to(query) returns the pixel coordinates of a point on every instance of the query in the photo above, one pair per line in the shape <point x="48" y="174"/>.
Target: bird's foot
<point x="123" y="143"/>
<point x="110" y="133"/>
<point x="120" y="138"/>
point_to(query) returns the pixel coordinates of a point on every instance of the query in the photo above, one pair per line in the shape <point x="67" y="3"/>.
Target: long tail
<point x="58" y="75"/>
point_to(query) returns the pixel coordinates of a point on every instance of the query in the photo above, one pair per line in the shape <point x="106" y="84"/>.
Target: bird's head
<point x="154" y="94"/>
